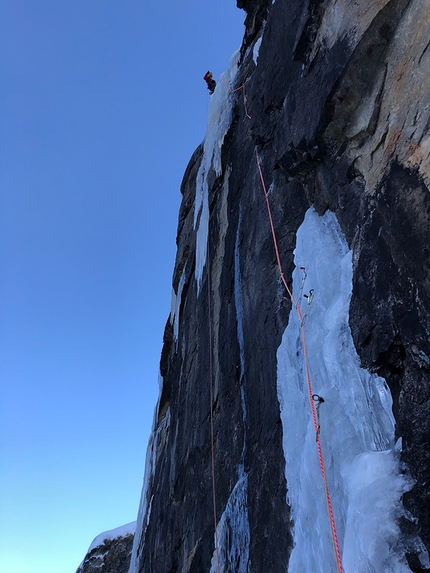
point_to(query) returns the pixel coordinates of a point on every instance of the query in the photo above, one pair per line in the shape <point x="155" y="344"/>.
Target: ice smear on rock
<point x="256" y="50"/>
<point x="233" y="531"/>
<point x="357" y="424"/>
<point x="176" y="306"/>
<point x="219" y="120"/>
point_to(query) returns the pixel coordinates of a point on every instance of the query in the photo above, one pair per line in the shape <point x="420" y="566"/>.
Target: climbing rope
<point x="308" y="377"/>
<point x="212" y="412"/>
<point x="272" y="227"/>
<point x="232" y="91"/>
<point x="310" y="298"/>
<point x="302" y="285"/>
<point x="211" y="371"/>
<point x="312" y="397"/>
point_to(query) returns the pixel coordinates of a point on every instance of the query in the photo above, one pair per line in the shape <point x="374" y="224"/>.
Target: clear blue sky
<point x="102" y="103"/>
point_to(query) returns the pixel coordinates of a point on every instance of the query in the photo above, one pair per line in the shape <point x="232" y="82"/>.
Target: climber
<point x="211" y="83"/>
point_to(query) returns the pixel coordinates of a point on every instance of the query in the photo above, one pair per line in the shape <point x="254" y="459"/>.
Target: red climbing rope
<point x="306" y="362"/>
<point x="212" y="412"/>
<point x="320" y="454"/>
<point x="232" y="91"/>
<point x="211" y="370"/>
<point x="272" y="227"/>
<point x="310" y="390"/>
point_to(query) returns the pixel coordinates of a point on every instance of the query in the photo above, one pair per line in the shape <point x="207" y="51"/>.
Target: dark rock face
<point x="111" y="556"/>
<point x="256" y="13"/>
<point x="339" y="113"/>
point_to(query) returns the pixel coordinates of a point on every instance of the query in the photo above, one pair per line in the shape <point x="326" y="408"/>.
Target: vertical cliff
<point x="320" y="127"/>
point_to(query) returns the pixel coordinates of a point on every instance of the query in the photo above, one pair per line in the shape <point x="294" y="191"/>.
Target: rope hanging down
<point x="212" y="412"/>
<point x="232" y="91"/>
<point x="312" y="396"/>
<point x="211" y="370"/>
<point x="308" y="377"/>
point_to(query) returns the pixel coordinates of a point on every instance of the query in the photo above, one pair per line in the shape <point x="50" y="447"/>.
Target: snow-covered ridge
<point x="357" y="424"/>
<point x="127" y="529"/>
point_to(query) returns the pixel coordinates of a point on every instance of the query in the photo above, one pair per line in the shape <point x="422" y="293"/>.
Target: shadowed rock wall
<point x="339" y="106"/>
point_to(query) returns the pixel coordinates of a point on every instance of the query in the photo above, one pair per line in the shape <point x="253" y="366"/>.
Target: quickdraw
<point x="310" y="298"/>
<point x="319" y="400"/>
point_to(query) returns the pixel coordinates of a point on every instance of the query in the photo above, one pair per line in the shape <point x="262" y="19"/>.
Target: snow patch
<point x="356" y="420"/>
<point x="219" y="120"/>
<point x="127" y="529"/>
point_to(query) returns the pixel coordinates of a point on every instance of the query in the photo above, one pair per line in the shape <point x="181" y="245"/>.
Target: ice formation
<point x="356" y="420"/>
<point x="219" y="120"/>
<point x="256" y="50"/>
<point x="232" y="531"/>
<point x="176" y="306"/>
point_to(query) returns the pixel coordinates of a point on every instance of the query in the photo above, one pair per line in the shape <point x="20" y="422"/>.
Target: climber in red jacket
<point x="211" y="83"/>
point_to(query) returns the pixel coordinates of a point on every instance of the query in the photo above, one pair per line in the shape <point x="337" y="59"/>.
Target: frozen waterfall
<point x="356" y="420"/>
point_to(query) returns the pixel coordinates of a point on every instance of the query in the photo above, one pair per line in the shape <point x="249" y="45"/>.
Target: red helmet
<point x="207" y="76"/>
